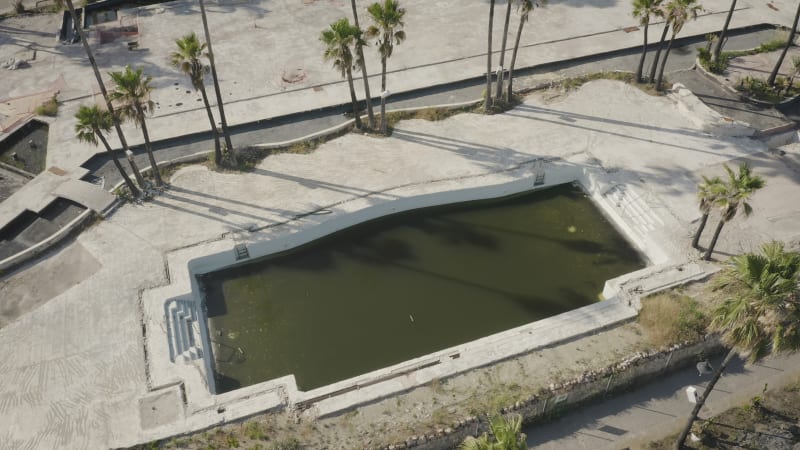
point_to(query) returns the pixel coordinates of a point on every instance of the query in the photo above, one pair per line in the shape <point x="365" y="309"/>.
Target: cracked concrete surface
<point x="73" y="368"/>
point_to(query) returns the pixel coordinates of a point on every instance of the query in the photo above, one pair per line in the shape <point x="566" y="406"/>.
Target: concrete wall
<point x="636" y="369"/>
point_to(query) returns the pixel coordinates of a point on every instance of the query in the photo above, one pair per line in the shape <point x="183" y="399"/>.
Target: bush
<point x="718" y="67"/>
<point x="775" y="44"/>
<point x="759" y="89"/>
<point x="48" y="108"/>
<point x="670" y="318"/>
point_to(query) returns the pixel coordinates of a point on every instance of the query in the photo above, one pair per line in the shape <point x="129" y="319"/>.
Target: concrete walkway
<point x="659" y="408"/>
<point x="255" y="87"/>
<point x="294" y="126"/>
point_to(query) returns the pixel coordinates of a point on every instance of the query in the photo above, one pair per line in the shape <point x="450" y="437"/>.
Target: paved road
<point x="659" y="408"/>
<point x="302" y="124"/>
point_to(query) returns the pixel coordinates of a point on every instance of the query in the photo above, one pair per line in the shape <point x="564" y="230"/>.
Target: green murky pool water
<point x="406" y="285"/>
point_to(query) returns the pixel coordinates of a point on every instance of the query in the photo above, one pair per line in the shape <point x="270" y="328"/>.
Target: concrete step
<point x="633" y="208"/>
<point x="183" y="331"/>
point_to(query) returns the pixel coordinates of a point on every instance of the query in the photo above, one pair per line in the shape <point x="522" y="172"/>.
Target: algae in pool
<point x="406" y="285"/>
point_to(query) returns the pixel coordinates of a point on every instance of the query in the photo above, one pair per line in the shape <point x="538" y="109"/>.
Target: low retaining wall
<point x="635" y="369"/>
<point x="44" y="245"/>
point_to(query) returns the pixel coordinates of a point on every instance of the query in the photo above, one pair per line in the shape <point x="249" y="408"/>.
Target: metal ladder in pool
<point x="538" y="171"/>
<point x="183" y="331"/>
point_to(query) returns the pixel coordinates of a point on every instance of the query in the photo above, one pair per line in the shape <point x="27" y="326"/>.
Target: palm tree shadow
<point x="492" y="158"/>
<point x="356" y="192"/>
<point x="640" y="396"/>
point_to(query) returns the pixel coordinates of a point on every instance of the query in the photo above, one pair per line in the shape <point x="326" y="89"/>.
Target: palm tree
<point x="643" y="10"/>
<point x="707" y="193"/>
<point x="388" y="19"/>
<point x="795" y="71"/>
<point x="507" y="436"/>
<point x="789" y="42"/>
<point x="97" y="76"/>
<point x="739" y="188"/>
<point x="223" y="122"/>
<point x="677" y="13"/>
<point x="721" y="37"/>
<point x="499" y="93"/>
<point x="92" y="125"/>
<point x="659" y="13"/>
<point x="132" y="92"/>
<point x="762" y="315"/>
<point x="362" y="63"/>
<point x="187" y="59"/>
<point x="338" y="39"/>
<point x="487" y="96"/>
<point x="525" y="7"/>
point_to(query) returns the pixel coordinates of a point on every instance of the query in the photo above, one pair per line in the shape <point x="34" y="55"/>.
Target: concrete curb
<point x="16" y="170"/>
<point x="42" y="246"/>
<point x="719" y="79"/>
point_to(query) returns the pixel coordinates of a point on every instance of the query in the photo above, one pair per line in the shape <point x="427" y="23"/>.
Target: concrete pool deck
<point x="256" y="88"/>
<point x="74" y="367"/>
<point x="426" y="163"/>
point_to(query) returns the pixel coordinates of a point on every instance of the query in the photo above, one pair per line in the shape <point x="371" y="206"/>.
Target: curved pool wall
<point x="196" y="374"/>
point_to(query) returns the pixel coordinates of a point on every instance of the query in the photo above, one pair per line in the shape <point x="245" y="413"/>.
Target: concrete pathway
<point x="660" y="407"/>
<point x="296" y="126"/>
<point x="282" y="106"/>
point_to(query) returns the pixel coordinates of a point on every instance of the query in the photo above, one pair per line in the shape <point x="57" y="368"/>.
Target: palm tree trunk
<point x="713" y="243"/>
<point x="789" y="85"/>
<point x="149" y="148"/>
<point x="696" y="240"/>
<point x="664" y="62"/>
<point x="353" y="98"/>
<point x="721" y="37"/>
<point x="128" y="181"/>
<point x="499" y="92"/>
<point x="487" y="100"/>
<point x="223" y="121"/>
<point x="363" y="64"/>
<point x="640" y="68"/>
<point x="702" y="399"/>
<point x="789" y="41"/>
<point x="98" y="77"/>
<point x="217" y="149"/>
<point x="510" y="92"/>
<point x="654" y="66"/>
<point x="384" y="126"/>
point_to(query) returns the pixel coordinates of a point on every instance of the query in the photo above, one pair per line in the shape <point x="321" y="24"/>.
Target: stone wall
<point x="635" y="369"/>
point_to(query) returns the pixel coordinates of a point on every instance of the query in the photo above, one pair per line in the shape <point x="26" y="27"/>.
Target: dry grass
<point x="625" y="77"/>
<point x="429" y="114"/>
<point x="48" y="108"/>
<point x="671" y="317"/>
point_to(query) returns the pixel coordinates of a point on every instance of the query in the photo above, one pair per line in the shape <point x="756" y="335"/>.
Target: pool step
<point x="634" y="208"/>
<point x="183" y="331"/>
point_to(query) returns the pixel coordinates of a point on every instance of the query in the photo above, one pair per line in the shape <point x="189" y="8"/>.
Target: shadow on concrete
<point x="590" y="416"/>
